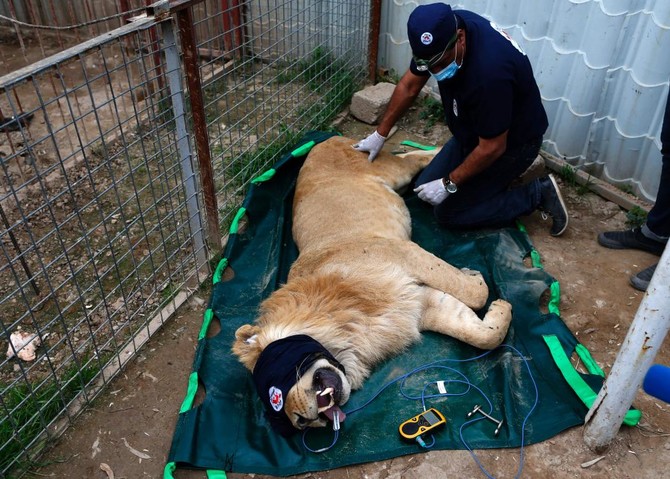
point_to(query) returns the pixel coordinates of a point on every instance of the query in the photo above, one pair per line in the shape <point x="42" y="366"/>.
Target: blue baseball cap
<point x="431" y="29"/>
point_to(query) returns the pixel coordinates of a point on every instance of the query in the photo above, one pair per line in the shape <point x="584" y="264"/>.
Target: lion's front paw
<point x="473" y="292"/>
<point x="471" y="272"/>
<point x="499" y="313"/>
<point x="501" y="308"/>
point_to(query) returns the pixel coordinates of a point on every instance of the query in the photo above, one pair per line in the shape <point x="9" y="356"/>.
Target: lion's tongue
<point x="330" y="412"/>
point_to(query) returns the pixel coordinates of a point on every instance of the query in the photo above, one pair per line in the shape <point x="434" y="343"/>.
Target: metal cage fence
<point x="279" y="69"/>
<point x="100" y="234"/>
<point x="106" y="215"/>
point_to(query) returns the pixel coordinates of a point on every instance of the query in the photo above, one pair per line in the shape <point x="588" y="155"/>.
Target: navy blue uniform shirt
<point x="493" y="91"/>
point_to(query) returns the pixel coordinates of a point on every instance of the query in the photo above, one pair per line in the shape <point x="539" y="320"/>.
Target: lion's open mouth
<point x="328" y="387"/>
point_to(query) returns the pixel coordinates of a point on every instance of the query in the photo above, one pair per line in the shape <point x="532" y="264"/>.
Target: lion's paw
<point x="500" y="313"/>
<point x="471" y="272"/>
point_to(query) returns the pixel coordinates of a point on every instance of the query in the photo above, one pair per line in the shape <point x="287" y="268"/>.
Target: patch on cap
<point x="426" y="38"/>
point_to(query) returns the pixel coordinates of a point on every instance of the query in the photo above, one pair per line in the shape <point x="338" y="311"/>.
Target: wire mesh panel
<point x="36" y="29"/>
<point x="97" y="239"/>
<point x="101" y="228"/>
<point x="278" y="69"/>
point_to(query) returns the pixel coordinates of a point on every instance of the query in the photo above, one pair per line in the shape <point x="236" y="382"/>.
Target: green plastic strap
<point x="414" y="144"/>
<point x="223" y="264"/>
<point x="216" y="475"/>
<point x="589" y="362"/>
<point x="534" y="255"/>
<point x="170" y="467"/>
<point x="236" y="221"/>
<point x="207" y="319"/>
<point x="264" y="177"/>
<point x="535" y="259"/>
<point x="303" y="150"/>
<point x="190" y="392"/>
<point x="555" y="289"/>
<point x="576" y="382"/>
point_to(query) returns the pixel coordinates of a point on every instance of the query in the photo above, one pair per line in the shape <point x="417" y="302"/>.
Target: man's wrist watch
<point x="449" y="185"/>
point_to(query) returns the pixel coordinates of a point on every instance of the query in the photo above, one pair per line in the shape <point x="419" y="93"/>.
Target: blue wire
<point x="437" y="365"/>
<point x="523" y="425"/>
<point x="323" y="449"/>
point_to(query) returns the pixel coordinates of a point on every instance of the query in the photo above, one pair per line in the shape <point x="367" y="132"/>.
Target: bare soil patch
<point x="140" y="407"/>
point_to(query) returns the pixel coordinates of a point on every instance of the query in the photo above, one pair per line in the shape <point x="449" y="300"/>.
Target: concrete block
<point x="369" y="104"/>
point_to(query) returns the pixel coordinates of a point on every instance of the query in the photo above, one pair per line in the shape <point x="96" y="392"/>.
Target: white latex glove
<point x="432" y="192"/>
<point x="373" y="143"/>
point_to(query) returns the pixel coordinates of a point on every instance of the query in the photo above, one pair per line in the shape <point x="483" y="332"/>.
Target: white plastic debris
<point x="108" y="470"/>
<point x="134" y="451"/>
<point x="24" y="344"/>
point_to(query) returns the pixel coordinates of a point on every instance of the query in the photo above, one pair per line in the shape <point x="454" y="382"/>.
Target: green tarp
<point x="518" y="382"/>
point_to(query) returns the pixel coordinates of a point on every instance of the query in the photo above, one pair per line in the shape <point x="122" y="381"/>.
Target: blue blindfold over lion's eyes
<point x="278" y="368"/>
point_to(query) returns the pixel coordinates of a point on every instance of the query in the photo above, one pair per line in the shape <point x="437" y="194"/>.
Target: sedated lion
<point x="359" y="292"/>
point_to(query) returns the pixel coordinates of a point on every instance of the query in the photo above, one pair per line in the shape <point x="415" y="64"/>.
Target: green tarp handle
<point x="303" y="150"/>
<point x="170" y="467"/>
<point x="576" y="382"/>
<point x="414" y="144"/>
<point x="589" y="362"/>
<point x="190" y="393"/>
<point x="555" y="298"/>
<point x="219" y="270"/>
<point x="534" y="255"/>
<point x="207" y="319"/>
<point x="555" y="287"/>
<point x="234" y="226"/>
<point x="535" y="259"/>
<point x="264" y="177"/>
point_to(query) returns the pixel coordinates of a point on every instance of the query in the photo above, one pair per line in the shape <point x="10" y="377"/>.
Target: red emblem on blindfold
<point x="276" y="398"/>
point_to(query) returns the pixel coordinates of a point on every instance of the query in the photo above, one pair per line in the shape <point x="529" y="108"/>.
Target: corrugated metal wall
<point x="603" y="67"/>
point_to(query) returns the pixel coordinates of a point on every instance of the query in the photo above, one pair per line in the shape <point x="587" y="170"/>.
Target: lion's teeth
<point x="326" y="391"/>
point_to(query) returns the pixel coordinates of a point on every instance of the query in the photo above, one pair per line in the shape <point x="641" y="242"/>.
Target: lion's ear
<point x="246" y="346"/>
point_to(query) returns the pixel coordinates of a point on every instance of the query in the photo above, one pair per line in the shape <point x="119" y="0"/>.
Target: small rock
<point x="24" y="344"/>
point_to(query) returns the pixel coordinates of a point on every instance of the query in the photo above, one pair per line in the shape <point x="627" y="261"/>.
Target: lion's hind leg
<point x="447" y="315"/>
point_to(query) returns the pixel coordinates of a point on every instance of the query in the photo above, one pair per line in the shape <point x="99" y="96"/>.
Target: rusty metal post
<point x="174" y="78"/>
<point x="232" y="25"/>
<point x="156" y="54"/>
<point x="375" y="21"/>
<point x="191" y="68"/>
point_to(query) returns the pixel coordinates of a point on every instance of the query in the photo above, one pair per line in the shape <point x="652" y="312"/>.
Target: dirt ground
<point x="138" y="412"/>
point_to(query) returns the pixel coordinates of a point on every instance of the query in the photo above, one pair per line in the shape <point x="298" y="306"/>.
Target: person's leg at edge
<point x="658" y="221"/>
<point x="653" y="235"/>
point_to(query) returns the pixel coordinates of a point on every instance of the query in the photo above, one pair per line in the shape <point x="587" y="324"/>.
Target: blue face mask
<point x="449" y="71"/>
